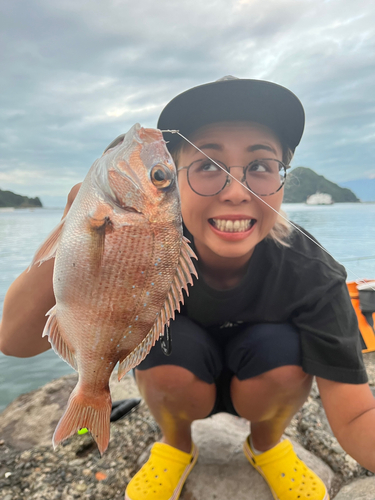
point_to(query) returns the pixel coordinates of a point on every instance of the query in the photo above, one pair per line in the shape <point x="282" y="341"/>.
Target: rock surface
<point x="362" y="489"/>
<point x="75" y="469"/>
<point x="223" y="471"/>
<point x="31" y="419"/>
<point x="30" y="469"/>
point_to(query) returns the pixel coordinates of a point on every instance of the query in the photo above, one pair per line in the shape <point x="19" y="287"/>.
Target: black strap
<point x="166" y="341"/>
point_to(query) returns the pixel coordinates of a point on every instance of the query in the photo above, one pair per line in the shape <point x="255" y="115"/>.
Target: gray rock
<point x="71" y="470"/>
<point x="31" y="419"/>
<point x="311" y="429"/>
<point x="362" y="489"/>
<point x="369" y="359"/>
<point x="223" y="472"/>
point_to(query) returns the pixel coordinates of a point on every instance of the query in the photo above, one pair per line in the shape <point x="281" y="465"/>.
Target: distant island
<point x="303" y="182"/>
<point x="9" y="199"/>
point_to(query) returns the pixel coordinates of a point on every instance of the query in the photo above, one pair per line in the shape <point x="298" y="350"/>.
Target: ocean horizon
<point x="346" y="230"/>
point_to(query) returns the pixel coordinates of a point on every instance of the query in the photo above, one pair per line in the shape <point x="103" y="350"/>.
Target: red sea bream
<point x="121" y="263"/>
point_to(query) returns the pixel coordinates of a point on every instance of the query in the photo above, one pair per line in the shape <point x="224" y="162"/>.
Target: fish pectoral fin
<point x="100" y="224"/>
<point x="57" y="342"/>
<point x="48" y="249"/>
<point x="100" y="219"/>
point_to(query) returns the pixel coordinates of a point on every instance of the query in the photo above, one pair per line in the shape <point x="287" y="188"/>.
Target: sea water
<point x="347" y="231"/>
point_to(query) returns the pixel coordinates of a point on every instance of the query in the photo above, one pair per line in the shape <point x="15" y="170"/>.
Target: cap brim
<point x="235" y="100"/>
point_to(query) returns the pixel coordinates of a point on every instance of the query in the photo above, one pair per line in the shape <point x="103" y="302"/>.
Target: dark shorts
<point x="216" y="354"/>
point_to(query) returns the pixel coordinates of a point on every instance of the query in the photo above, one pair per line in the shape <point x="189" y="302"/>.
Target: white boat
<point x="7" y="209"/>
<point x="320" y="199"/>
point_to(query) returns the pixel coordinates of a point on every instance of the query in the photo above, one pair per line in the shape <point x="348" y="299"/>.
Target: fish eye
<point x="161" y="176"/>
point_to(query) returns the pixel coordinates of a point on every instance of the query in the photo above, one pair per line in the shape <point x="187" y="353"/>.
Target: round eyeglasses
<point x="263" y="177"/>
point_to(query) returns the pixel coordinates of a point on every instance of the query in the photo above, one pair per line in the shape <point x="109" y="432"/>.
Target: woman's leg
<point x="268" y="388"/>
<point x="269" y="401"/>
<point x="269" y="385"/>
<point x="181" y="387"/>
<point x="176" y="397"/>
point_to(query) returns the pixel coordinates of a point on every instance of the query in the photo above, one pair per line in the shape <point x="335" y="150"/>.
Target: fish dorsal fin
<point x="57" y="342"/>
<point x="48" y="248"/>
<point x="174" y="298"/>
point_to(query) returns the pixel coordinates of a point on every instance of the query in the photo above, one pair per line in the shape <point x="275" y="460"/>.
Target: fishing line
<point x="354" y="259"/>
<point x="361" y="280"/>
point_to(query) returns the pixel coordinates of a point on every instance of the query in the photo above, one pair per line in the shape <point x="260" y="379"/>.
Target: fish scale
<point x="121" y="262"/>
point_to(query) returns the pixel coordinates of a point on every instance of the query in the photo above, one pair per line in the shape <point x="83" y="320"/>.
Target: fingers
<point x="71" y="197"/>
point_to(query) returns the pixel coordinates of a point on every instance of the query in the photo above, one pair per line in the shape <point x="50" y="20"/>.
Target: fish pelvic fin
<point x="180" y="282"/>
<point x="139" y="353"/>
<point x="48" y="248"/>
<point x="91" y="411"/>
<point x="58" y="344"/>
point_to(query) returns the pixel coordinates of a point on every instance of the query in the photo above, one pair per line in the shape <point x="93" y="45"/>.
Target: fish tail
<point x="90" y="411"/>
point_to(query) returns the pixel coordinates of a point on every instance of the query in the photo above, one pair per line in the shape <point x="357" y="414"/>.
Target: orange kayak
<point x="365" y="314"/>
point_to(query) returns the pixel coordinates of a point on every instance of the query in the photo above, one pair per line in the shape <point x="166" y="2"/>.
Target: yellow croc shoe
<point x="163" y="475"/>
<point x="286" y="475"/>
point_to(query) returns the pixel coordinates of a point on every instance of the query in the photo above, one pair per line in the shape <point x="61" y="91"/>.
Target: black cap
<point x="230" y="99"/>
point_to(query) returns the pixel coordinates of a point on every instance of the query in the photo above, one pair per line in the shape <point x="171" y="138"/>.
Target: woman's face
<point x="234" y="144"/>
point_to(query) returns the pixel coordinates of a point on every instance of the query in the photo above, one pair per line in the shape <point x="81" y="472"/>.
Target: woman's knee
<point x="285" y="378"/>
<point x="282" y="389"/>
<point x="167" y="378"/>
<point x="281" y="380"/>
<point x="176" y="389"/>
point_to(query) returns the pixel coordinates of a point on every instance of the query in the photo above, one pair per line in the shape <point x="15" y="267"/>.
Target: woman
<point x="269" y="311"/>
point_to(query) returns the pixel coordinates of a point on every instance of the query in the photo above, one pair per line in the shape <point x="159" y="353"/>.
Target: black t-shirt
<point x="300" y="284"/>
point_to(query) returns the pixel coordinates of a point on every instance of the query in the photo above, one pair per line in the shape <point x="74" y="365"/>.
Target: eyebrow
<point x="256" y="147"/>
<point x="211" y="145"/>
<point x="250" y="149"/>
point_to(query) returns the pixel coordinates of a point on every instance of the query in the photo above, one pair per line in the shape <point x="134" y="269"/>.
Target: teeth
<point x="229" y="226"/>
<point x="232" y="226"/>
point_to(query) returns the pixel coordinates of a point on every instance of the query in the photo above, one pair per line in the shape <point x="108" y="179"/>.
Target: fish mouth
<point x="232" y="225"/>
<point x="150" y="135"/>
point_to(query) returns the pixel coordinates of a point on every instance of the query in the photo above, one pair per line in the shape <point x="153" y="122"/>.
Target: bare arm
<point x="26" y="303"/>
<point x="350" y="411"/>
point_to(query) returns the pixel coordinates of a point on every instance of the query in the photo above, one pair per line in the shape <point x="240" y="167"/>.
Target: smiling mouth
<point x="232" y="226"/>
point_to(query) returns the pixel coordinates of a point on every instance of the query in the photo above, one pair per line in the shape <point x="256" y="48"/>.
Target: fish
<point x="121" y="266"/>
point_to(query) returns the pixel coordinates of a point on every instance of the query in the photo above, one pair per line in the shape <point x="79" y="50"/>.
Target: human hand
<point x="71" y="197"/>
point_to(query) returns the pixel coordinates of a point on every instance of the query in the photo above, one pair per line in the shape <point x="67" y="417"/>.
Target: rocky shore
<point x="30" y="468"/>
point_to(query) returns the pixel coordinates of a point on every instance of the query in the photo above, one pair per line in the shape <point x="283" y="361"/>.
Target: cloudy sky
<point x="76" y="73"/>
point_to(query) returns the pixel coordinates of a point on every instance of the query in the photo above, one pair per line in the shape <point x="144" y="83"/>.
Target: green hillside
<point x="302" y="182"/>
<point x="9" y="199"/>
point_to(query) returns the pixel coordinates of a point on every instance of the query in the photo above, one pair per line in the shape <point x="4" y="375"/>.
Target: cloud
<point x="78" y="73"/>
